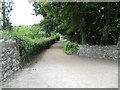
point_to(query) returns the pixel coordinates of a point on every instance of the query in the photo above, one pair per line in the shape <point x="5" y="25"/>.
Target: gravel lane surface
<point x="54" y="69"/>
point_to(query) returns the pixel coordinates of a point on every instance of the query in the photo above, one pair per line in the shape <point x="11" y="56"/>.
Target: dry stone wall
<point x="9" y="56"/>
<point x="103" y="52"/>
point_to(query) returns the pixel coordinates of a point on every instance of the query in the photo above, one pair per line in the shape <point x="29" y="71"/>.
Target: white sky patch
<point x="22" y="13"/>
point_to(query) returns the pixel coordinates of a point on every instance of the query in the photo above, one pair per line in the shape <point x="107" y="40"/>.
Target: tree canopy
<point x="81" y="22"/>
<point x="5" y="9"/>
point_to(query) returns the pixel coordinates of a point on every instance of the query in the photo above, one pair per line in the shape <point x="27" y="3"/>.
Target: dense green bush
<point x="70" y="47"/>
<point x="29" y="46"/>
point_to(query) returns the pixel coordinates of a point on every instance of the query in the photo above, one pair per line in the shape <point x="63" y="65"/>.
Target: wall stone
<point x="9" y="56"/>
<point x="104" y="52"/>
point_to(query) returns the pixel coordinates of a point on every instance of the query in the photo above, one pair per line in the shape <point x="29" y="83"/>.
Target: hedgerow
<point x="29" y="46"/>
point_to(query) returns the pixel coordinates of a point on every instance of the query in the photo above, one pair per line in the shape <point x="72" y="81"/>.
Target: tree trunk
<point x="83" y="37"/>
<point x="118" y="41"/>
<point x="105" y="32"/>
<point x="82" y="32"/>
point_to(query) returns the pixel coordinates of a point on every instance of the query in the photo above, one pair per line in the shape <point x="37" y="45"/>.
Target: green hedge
<point x="29" y="48"/>
<point x="70" y="47"/>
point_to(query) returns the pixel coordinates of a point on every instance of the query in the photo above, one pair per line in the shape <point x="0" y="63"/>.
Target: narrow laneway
<point x="54" y="69"/>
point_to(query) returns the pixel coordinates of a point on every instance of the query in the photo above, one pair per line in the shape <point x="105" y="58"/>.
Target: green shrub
<point x="70" y="47"/>
<point x="28" y="46"/>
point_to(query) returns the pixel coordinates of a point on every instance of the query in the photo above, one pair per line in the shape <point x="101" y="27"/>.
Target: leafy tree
<point x="0" y="14"/>
<point x="6" y="7"/>
<point x="81" y="22"/>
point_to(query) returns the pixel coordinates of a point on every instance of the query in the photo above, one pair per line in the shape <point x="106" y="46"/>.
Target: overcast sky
<point x="22" y="13"/>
